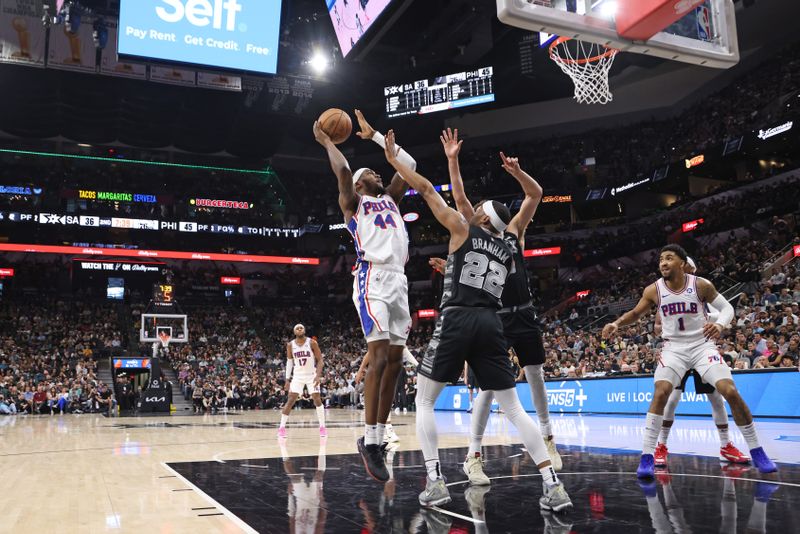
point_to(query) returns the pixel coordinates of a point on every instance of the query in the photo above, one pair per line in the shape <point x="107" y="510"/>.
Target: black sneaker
<point x="373" y="460"/>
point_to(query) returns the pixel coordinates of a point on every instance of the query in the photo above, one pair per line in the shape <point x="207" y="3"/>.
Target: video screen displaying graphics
<point x="352" y="18"/>
<point x="440" y="93"/>
<point x="228" y="34"/>
<point x="115" y="289"/>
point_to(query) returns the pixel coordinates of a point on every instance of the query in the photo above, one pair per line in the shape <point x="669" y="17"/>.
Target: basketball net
<point x="164" y="338"/>
<point x="587" y="64"/>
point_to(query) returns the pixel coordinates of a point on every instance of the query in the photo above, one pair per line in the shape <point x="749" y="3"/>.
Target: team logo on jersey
<point x="377" y="207"/>
<point x="689" y="290"/>
<point x="679" y="308"/>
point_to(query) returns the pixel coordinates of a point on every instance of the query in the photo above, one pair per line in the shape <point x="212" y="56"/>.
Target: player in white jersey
<point x="688" y="335"/>
<point x="728" y="452"/>
<point x="380" y="288"/>
<point x="304" y="369"/>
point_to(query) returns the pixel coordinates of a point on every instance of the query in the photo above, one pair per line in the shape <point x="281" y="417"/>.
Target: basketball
<point x="337" y="124"/>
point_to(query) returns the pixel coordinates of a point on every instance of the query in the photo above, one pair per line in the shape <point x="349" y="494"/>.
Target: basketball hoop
<point x="587" y="64"/>
<point x="164" y="338"/>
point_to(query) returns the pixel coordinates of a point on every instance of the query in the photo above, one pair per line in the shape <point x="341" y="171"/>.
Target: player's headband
<point x="298" y="325"/>
<point x="357" y="175"/>
<point x="497" y="222"/>
<point x="691" y="263"/>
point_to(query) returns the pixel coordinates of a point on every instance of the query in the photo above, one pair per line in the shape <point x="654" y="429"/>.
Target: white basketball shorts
<point x="677" y="358"/>
<point x="299" y="382"/>
<point x="380" y="295"/>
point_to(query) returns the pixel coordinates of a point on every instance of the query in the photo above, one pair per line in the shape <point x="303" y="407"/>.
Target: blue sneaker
<point x="762" y="461"/>
<point x="649" y="487"/>
<point x="764" y="491"/>
<point x="647" y="467"/>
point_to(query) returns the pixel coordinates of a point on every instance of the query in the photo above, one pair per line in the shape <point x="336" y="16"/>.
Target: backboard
<point x="153" y="323"/>
<point x="704" y="36"/>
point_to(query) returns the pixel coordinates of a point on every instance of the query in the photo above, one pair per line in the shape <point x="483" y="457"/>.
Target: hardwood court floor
<point x="226" y="473"/>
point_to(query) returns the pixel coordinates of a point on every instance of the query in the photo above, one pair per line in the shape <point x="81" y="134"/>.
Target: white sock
<point x="535" y="378"/>
<point x="549" y="475"/>
<point x="371" y="435"/>
<point x="664" y="435"/>
<point x="758" y="517"/>
<point x="528" y="431"/>
<point x="432" y="466"/>
<point x="724" y="436"/>
<point x="322" y="459"/>
<point x="284" y="418"/>
<point x="652" y="427"/>
<point x="427" y="392"/>
<point x="381" y="432"/>
<point x="321" y="415"/>
<point x="750" y="436"/>
<point x="480" y="416"/>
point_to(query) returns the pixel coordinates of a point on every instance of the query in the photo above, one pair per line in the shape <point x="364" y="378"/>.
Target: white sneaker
<point x="555" y="498"/>
<point x="555" y="458"/>
<point x="473" y="468"/>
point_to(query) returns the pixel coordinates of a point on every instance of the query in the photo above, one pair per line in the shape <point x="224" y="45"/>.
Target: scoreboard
<point x="440" y="93"/>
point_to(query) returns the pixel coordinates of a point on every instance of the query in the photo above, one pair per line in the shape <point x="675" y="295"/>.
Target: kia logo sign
<point x="231" y="281"/>
<point x="536" y="252"/>
<point x="411" y="217"/>
<point x="426" y="314"/>
<point x="6" y="273"/>
<point x="796" y="253"/>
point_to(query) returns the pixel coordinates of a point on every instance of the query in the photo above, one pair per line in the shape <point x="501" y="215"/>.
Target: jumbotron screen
<point x="352" y="18"/>
<point x="441" y="93"/>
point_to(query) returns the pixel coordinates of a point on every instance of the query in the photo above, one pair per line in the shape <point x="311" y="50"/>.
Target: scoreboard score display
<point x="440" y="93"/>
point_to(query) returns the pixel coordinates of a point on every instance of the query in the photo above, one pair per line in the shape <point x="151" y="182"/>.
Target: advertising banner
<point x="110" y="65"/>
<point x="230" y="34"/>
<point x="765" y="392"/>
<point x="22" y="35"/>
<point x="172" y="76"/>
<point x="223" y="82"/>
<point x="72" y="51"/>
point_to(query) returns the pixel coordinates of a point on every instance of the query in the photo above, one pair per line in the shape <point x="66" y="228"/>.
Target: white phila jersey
<point x="379" y="232"/>
<point x="683" y="314"/>
<point x="304" y="361"/>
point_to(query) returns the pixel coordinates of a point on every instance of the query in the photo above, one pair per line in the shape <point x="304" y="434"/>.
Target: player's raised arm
<point x="398" y="187"/>
<point x="348" y="198"/>
<point x="708" y="293"/>
<point x="452" y="148"/>
<point x="447" y="216"/>
<point x="645" y="304"/>
<point x="533" y="196"/>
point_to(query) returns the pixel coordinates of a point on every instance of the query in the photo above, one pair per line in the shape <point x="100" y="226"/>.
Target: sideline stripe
<point x="230" y="515"/>
<point x="459" y="516"/>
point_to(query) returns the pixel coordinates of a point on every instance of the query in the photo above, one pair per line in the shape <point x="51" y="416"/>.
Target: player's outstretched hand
<point x="450" y="142"/>
<point x="367" y="131"/>
<point x="320" y="136"/>
<point x="391" y="147"/>
<point x="359" y="377"/>
<point x="712" y="330"/>
<point x="317" y="381"/>
<point x="438" y="264"/>
<point x="511" y="165"/>
<point x="609" y="330"/>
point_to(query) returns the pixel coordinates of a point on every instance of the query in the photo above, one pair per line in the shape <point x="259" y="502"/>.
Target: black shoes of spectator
<point x="372" y="455"/>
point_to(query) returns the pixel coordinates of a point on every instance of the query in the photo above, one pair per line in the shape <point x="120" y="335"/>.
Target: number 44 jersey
<point x="379" y="232"/>
<point x="476" y="273"/>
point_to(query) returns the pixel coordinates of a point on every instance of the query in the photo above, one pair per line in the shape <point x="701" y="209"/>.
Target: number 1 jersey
<point x="379" y="232"/>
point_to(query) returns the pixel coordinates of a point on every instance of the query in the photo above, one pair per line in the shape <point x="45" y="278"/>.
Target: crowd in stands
<point x="48" y="352"/>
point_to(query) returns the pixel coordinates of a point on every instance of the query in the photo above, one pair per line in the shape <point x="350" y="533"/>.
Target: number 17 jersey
<point x="379" y="232"/>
